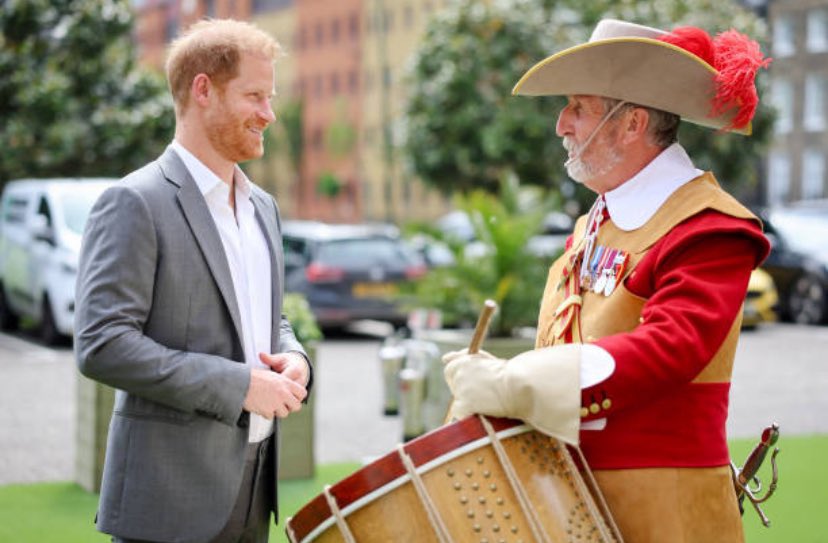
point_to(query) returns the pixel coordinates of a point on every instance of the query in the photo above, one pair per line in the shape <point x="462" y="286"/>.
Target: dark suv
<point x="349" y="272"/>
<point x="798" y="261"/>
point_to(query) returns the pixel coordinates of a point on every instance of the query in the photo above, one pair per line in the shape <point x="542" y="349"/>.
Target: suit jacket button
<point x="244" y="420"/>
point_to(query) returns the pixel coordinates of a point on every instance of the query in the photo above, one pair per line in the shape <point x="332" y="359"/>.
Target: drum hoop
<point x="392" y="485"/>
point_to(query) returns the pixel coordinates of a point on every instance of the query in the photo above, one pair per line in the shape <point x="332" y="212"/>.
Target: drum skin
<point x="469" y="487"/>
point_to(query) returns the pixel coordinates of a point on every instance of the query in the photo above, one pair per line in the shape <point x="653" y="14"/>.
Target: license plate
<point x="373" y="290"/>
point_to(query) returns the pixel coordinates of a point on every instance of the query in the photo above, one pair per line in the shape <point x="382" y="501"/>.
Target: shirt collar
<point x="633" y="203"/>
<point x="204" y="177"/>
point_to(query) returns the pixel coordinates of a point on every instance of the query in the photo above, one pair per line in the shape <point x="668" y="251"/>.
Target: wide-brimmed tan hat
<point x="705" y="81"/>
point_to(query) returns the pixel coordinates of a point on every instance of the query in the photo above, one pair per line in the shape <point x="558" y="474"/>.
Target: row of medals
<point x="601" y="266"/>
<point x="605" y="266"/>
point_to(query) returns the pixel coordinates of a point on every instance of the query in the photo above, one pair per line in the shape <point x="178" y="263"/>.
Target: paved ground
<point x="781" y="375"/>
<point x="37" y="419"/>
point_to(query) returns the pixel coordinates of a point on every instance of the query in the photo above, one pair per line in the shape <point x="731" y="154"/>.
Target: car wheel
<point x="807" y="300"/>
<point x="8" y="319"/>
<point x="48" y="329"/>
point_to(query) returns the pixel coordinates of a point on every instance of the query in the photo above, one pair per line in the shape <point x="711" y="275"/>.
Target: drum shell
<point x="467" y="484"/>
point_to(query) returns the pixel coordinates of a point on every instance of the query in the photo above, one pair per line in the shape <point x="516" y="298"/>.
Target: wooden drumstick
<point x="486" y="314"/>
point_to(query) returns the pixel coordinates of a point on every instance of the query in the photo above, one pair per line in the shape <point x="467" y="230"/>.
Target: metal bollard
<point x="425" y="357"/>
<point x="412" y="383"/>
<point x="391" y="358"/>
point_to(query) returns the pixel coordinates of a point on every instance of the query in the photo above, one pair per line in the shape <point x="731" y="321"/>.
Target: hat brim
<point x="642" y="71"/>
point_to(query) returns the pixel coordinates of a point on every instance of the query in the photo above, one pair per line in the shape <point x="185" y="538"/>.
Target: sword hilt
<point x="743" y="477"/>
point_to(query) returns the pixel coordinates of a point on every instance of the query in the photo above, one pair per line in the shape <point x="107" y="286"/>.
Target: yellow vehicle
<point x="761" y="301"/>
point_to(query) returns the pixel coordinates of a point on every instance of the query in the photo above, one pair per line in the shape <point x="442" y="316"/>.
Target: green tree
<point x="71" y="98"/>
<point x="340" y="136"/>
<point x="284" y="139"/>
<point x="464" y="128"/>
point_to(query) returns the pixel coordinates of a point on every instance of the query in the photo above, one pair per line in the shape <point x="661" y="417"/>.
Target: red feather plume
<point x="694" y="40"/>
<point x="736" y="59"/>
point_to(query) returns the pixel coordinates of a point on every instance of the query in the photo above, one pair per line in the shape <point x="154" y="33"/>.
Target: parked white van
<point x="41" y="225"/>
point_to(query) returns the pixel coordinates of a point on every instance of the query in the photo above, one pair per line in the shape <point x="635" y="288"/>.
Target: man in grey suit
<point x="179" y="303"/>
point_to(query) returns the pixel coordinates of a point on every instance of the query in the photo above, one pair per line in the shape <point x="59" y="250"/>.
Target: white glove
<point x="454" y="355"/>
<point x="540" y="387"/>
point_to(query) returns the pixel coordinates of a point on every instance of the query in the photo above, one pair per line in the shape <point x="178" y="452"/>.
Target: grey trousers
<point x="249" y="521"/>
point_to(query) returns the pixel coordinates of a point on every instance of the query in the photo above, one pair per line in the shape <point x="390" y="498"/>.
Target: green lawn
<point x="63" y="513"/>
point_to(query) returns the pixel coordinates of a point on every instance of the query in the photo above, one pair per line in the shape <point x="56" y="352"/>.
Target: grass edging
<point x="47" y="512"/>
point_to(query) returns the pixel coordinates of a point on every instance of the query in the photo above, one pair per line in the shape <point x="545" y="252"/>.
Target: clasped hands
<point x="279" y="390"/>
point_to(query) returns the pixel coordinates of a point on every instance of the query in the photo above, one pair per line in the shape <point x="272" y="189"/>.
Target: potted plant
<point x="296" y="460"/>
<point x="298" y="312"/>
<point x="498" y="264"/>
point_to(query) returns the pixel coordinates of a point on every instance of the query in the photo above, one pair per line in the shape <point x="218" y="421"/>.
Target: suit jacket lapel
<point x="204" y="230"/>
<point x="267" y="222"/>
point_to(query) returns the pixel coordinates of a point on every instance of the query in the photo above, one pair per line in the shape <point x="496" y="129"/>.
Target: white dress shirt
<point x="249" y="259"/>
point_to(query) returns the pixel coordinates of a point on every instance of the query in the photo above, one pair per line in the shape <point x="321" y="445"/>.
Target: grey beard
<point x="581" y="171"/>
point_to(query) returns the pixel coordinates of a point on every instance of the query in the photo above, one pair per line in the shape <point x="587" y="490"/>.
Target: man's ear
<point x="201" y="89"/>
<point x="635" y="127"/>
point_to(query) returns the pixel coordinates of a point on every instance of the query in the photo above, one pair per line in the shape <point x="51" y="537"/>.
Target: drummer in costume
<point x="643" y="310"/>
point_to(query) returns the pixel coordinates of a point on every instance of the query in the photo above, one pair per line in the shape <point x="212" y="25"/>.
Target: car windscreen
<point x="804" y="230"/>
<point x="76" y="202"/>
<point x="365" y="252"/>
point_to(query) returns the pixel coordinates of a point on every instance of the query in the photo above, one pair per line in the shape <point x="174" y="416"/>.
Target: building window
<point x="369" y="80"/>
<point x="813" y="111"/>
<point x="264" y="6"/>
<point x="334" y="84"/>
<point x="353" y="82"/>
<point x="779" y="177"/>
<point x="817" y="31"/>
<point x="782" y="99"/>
<point x="813" y="173"/>
<point x="316" y="138"/>
<point x="171" y="28"/>
<point x="335" y="31"/>
<point x="784" y="35"/>
<point x="320" y="34"/>
<point x="408" y="16"/>
<point x="353" y="25"/>
<point x="318" y="83"/>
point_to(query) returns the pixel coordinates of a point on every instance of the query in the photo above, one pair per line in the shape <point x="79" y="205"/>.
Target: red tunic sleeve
<point x="694" y="280"/>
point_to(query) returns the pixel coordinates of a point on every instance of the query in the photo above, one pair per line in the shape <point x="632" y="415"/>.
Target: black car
<point x="798" y="261"/>
<point x="349" y="272"/>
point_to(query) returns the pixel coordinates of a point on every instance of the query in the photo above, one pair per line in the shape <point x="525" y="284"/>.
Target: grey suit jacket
<point x="156" y="318"/>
